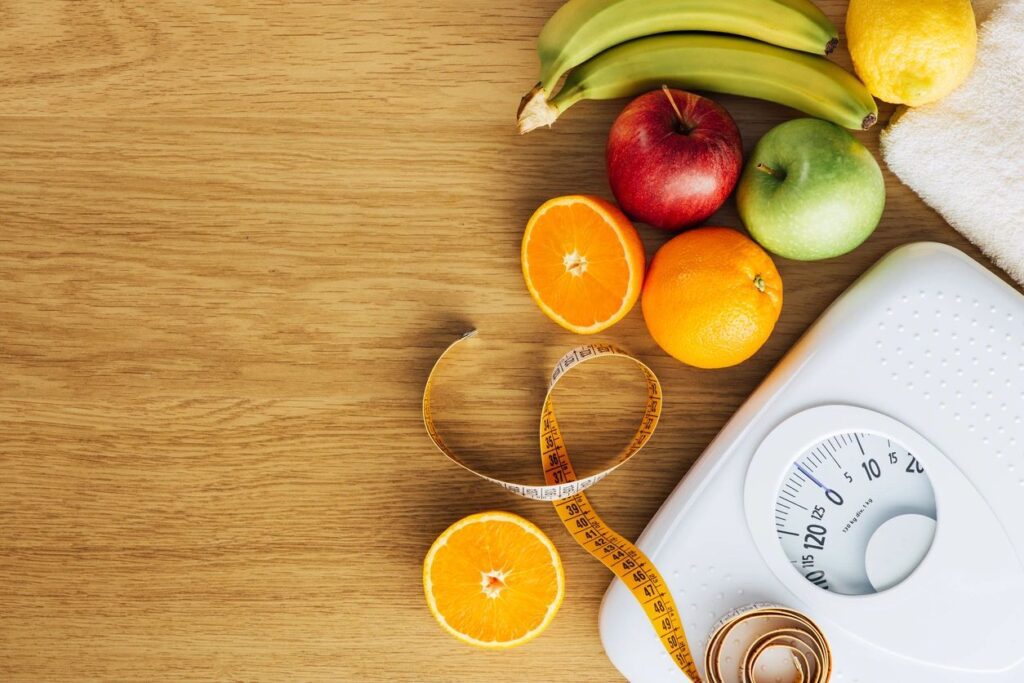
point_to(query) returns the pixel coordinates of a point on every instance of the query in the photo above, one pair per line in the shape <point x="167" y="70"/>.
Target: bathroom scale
<point x="874" y="482"/>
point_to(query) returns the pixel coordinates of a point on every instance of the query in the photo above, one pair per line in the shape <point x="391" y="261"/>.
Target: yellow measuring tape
<point x="565" y="491"/>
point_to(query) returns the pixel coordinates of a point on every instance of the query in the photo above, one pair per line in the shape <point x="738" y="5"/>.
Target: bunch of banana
<point x="618" y="48"/>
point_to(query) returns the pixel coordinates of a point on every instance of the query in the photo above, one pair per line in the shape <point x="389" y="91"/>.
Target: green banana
<point x="581" y="29"/>
<point x="697" y="61"/>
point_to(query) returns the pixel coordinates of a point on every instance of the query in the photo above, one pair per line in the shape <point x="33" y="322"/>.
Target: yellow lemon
<point x="911" y="51"/>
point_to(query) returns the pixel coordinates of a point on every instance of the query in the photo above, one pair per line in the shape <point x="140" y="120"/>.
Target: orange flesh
<point x="582" y="266"/>
<point x="494" y="581"/>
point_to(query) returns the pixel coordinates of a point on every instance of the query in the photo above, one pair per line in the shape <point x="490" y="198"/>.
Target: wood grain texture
<point x="234" y="237"/>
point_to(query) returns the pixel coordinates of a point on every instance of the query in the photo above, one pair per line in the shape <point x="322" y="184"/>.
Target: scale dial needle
<point x="806" y="473"/>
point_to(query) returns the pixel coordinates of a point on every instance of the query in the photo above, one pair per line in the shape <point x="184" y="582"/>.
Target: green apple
<point x="810" y="191"/>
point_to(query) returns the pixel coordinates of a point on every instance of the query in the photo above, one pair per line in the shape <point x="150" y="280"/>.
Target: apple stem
<point x="765" y="168"/>
<point x="683" y="128"/>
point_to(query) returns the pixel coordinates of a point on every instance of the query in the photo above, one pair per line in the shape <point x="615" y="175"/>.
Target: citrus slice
<point x="493" y="580"/>
<point x="583" y="262"/>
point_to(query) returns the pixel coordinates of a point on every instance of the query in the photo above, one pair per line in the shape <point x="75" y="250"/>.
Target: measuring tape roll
<point x="765" y="642"/>
<point x="565" y="491"/>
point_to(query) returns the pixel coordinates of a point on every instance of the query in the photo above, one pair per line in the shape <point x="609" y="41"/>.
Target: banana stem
<point x="535" y="111"/>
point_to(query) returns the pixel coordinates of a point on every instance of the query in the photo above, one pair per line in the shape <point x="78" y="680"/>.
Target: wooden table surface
<point x="233" y="238"/>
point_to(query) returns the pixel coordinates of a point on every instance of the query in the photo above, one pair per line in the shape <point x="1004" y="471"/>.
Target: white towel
<point x="964" y="155"/>
<point x="983" y="8"/>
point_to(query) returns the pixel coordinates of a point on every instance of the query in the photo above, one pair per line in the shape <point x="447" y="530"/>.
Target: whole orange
<point x="711" y="297"/>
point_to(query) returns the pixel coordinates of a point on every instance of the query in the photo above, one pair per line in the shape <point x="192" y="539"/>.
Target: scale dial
<point x="855" y="514"/>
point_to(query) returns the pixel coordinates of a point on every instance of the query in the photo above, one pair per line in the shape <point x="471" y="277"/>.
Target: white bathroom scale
<point x="874" y="482"/>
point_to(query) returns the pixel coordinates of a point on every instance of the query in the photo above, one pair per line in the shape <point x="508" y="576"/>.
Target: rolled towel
<point x="964" y="155"/>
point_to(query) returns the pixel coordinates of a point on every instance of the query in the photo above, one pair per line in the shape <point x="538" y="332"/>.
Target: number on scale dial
<point x="855" y="514"/>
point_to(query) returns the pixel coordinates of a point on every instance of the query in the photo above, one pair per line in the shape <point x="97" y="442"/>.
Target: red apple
<point x="673" y="158"/>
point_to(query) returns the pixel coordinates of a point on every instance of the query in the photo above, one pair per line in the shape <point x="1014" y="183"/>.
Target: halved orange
<point x="583" y="262"/>
<point x="493" y="580"/>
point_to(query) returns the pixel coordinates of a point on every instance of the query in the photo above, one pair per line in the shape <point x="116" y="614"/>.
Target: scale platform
<point x="874" y="482"/>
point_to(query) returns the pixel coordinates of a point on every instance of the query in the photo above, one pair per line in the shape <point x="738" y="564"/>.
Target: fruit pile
<point x="809" y="190"/>
<point x="711" y="295"/>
